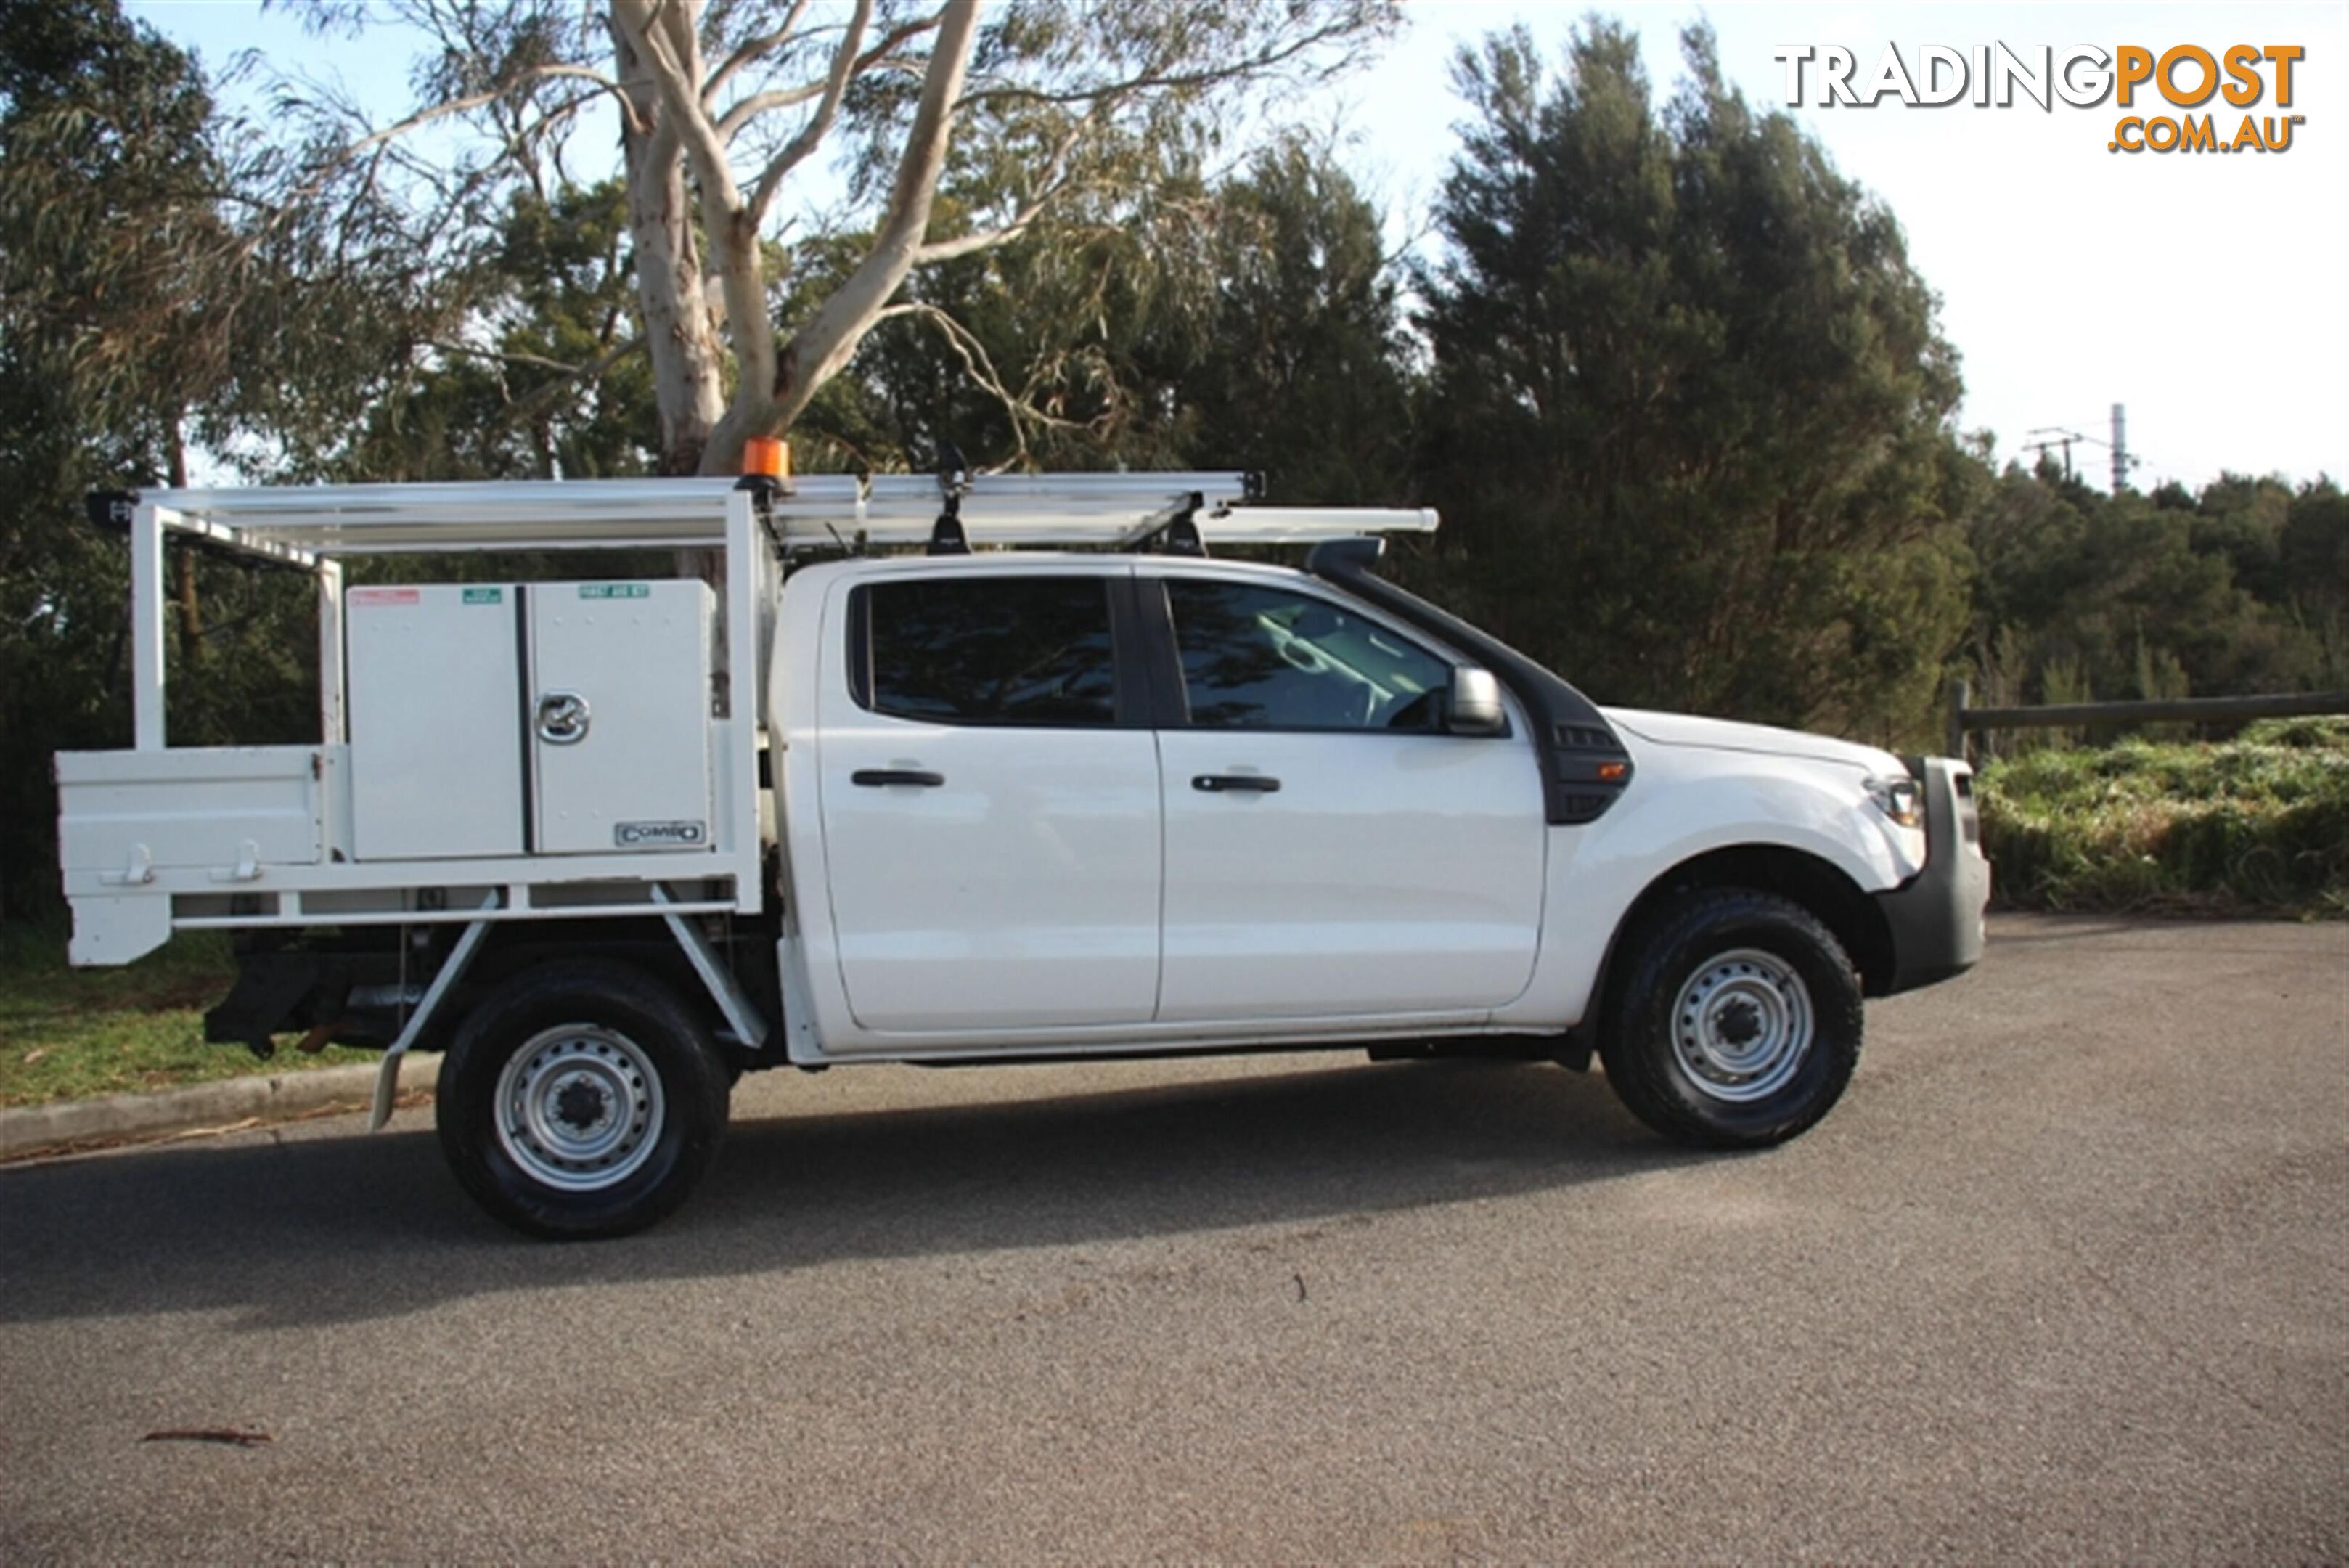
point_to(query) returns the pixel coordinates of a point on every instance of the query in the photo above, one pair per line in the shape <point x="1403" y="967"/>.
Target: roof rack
<point x="302" y="523"/>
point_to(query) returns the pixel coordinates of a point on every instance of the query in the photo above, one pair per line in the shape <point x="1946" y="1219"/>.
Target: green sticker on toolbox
<point x="485" y="596"/>
<point x="615" y="591"/>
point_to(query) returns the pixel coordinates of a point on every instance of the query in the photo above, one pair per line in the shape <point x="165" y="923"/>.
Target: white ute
<point x="611" y="842"/>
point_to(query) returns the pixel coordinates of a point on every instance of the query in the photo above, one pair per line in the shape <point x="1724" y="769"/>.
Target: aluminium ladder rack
<point x="301" y="524"/>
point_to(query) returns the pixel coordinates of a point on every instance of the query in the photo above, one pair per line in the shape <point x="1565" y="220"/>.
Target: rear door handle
<point x="878" y="778"/>
<point x="1216" y="783"/>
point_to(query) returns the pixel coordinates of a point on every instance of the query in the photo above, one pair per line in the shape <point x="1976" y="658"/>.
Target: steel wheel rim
<point x="579" y="1107"/>
<point x="1742" y="1026"/>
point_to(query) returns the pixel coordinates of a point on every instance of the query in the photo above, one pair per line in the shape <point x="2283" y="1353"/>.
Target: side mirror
<point x="1474" y="707"/>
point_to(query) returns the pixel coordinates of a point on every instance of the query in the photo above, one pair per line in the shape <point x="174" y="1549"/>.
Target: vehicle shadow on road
<point x="355" y="1229"/>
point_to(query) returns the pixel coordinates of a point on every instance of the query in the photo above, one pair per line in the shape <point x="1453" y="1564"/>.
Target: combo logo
<point x="2183" y="76"/>
<point x="654" y="835"/>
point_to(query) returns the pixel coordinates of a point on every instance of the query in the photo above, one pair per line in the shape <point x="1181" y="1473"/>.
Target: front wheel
<point x="1739" y="1024"/>
<point x="581" y="1100"/>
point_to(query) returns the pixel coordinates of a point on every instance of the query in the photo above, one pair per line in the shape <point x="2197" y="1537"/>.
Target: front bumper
<point x="1936" y="916"/>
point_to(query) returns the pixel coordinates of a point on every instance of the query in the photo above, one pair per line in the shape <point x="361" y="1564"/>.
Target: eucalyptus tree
<point x="109" y="186"/>
<point x="895" y="135"/>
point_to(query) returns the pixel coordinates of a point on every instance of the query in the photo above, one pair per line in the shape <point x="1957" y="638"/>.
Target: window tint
<point x="1258" y="658"/>
<point x="992" y="650"/>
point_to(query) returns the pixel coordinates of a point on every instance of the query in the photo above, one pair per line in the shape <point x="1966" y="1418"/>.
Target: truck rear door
<point x="988" y="788"/>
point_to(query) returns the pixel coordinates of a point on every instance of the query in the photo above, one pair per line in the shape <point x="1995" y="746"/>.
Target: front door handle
<point x="1216" y="783"/>
<point x="877" y="778"/>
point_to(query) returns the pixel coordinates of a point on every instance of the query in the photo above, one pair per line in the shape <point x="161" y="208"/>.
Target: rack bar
<point x="306" y="524"/>
<point x="148" y="523"/>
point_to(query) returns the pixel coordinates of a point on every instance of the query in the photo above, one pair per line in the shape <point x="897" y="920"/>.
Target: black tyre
<point x="580" y="1099"/>
<point x="1738" y="1023"/>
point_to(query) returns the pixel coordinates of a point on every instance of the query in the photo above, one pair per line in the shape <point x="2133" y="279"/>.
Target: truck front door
<point x="1330" y="849"/>
<point x="989" y="797"/>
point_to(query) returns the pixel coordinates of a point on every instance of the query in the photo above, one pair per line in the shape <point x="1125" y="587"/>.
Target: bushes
<point x="2256" y="825"/>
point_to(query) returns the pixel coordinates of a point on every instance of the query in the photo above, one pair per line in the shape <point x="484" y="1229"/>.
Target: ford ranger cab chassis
<point x="895" y="790"/>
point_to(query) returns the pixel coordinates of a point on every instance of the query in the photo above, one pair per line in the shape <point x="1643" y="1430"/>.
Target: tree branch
<point x="590" y="371"/>
<point x="470" y="101"/>
<point x="752" y="51"/>
<point x="1161" y="78"/>
<point x="518" y="139"/>
<point x="602" y="83"/>
<point x="373" y="145"/>
<point x="1105" y="101"/>
<point x="689" y="120"/>
<point x="824" y="342"/>
<point x="1055" y="180"/>
<point x="743" y="110"/>
<point x="843" y="65"/>
<point x="980" y="367"/>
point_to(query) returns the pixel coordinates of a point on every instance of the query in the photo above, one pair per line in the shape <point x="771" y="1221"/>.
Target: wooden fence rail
<point x="1964" y="717"/>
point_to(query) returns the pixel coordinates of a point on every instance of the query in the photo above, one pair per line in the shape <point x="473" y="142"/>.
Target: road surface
<point x="2065" y="1275"/>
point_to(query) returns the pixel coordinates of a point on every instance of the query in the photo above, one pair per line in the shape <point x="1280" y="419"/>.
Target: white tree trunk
<point x="822" y="347"/>
<point x="680" y="340"/>
<point x="772" y="389"/>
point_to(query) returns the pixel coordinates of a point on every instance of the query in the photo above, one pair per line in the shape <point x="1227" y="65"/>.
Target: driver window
<point x="1266" y="658"/>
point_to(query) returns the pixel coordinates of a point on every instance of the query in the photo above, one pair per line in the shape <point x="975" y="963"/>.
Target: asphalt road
<point x="2067" y="1275"/>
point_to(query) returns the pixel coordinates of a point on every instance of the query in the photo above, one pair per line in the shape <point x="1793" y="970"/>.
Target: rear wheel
<point x="1739" y="1024"/>
<point x="580" y="1100"/>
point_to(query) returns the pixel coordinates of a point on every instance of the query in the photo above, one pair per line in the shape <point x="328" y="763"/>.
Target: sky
<point x="2207" y="293"/>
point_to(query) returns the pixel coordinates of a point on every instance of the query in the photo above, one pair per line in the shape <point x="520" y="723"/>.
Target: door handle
<point x="1216" y="783"/>
<point x="877" y="778"/>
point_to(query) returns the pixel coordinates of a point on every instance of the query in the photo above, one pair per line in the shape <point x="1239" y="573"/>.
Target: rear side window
<point x="991" y="650"/>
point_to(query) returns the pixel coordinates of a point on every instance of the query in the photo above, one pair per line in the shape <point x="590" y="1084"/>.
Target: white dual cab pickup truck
<point x="1014" y="805"/>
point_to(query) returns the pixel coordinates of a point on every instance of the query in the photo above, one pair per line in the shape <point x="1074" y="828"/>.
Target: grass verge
<point x="2258" y="824"/>
<point x="69" y="1035"/>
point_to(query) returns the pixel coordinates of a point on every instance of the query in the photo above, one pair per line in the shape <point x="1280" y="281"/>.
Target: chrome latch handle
<point x="563" y="718"/>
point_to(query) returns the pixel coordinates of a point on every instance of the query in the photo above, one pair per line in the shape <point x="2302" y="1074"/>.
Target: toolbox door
<point x="619" y="716"/>
<point x="435" y="683"/>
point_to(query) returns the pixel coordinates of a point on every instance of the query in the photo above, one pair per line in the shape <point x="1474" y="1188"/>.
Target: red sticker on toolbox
<point x="385" y="596"/>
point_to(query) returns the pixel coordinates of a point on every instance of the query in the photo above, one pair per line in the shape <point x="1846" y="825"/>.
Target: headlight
<point x="1899" y="798"/>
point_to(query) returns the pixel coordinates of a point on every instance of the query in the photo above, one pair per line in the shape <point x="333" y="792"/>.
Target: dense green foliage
<point x="501" y="395"/>
<point x="2080" y="596"/>
<point x="2260" y="823"/>
<point x="1684" y="403"/>
<point x="1250" y="322"/>
<point x="120" y="280"/>
<point x="1689" y="404"/>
